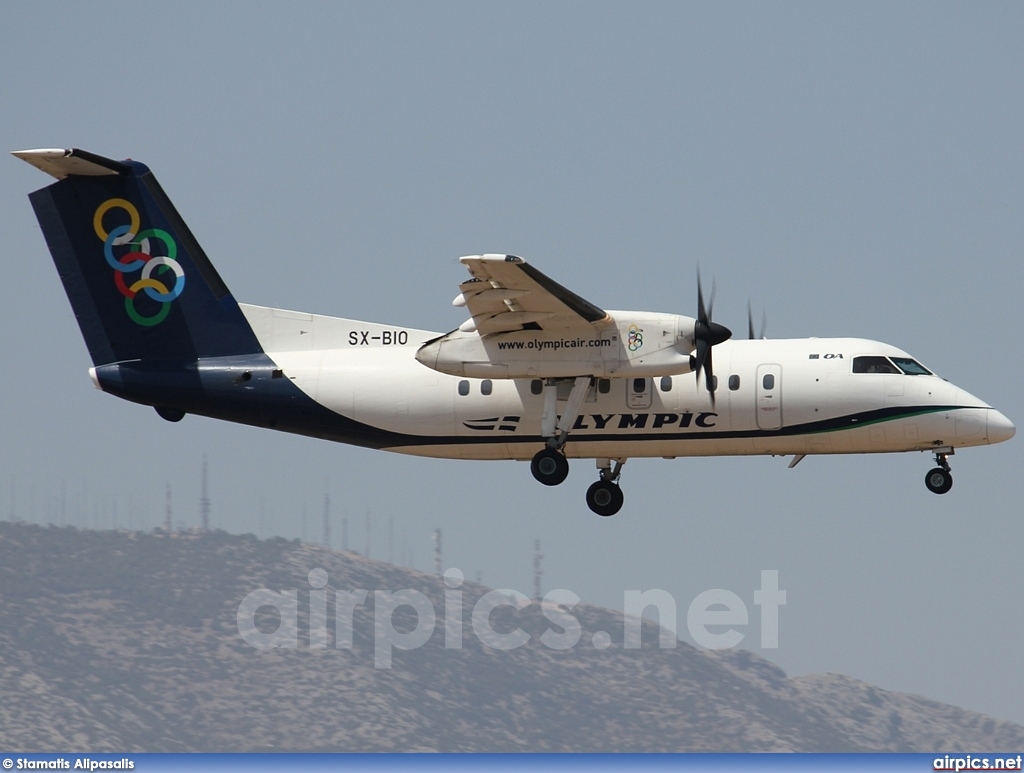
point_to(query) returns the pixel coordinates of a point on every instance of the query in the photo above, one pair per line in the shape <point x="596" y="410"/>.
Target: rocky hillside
<point x="113" y="641"/>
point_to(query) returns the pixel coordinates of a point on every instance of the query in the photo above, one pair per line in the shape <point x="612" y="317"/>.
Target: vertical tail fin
<point x="140" y="285"/>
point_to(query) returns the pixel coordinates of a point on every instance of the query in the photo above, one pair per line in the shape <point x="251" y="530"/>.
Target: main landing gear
<point x="549" y="465"/>
<point x="940" y="479"/>
<point x="605" y="497"/>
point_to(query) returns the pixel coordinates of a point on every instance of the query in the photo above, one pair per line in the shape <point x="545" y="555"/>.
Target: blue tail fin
<point x="140" y="285"/>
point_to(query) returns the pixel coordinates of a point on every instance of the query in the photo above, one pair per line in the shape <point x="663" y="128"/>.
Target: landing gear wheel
<point x="604" y="498"/>
<point x="938" y="481"/>
<point x="549" y="467"/>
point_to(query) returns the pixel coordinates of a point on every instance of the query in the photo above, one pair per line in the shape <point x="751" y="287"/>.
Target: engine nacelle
<point x="626" y="344"/>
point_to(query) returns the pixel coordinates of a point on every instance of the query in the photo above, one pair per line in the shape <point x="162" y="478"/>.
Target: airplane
<point x="536" y="373"/>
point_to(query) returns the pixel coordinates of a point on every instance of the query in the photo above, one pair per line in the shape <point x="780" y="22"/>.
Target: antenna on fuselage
<point x="750" y="323"/>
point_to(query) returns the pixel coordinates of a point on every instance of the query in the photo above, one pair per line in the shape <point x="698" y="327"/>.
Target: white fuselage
<point x="779" y="397"/>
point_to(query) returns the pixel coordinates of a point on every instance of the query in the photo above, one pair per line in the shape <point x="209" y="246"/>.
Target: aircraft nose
<point x="1000" y="428"/>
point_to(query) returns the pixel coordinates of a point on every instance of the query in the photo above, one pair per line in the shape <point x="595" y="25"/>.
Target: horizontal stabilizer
<point x="61" y="163"/>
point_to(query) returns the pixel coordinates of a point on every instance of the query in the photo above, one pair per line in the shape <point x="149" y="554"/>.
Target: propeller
<point x="706" y="335"/>
<point x="750" y="323"/>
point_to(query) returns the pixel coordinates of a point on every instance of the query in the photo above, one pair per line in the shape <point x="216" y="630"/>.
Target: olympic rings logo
<point x="140" y="256"/>
<point x="635" y="338"/>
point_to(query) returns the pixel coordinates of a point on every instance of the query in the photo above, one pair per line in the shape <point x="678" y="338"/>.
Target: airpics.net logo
<point x="129" y="249"/>
<point x="713" y="618"/>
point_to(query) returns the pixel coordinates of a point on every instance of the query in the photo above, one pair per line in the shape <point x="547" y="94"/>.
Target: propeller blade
<point x="702" y="315"/>
<point x="709" y="378"/>
<point x="700" y="356"/>
<point x="707" y="334"/>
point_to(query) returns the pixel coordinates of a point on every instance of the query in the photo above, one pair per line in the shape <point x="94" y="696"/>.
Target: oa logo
<point x="140" y="257"/>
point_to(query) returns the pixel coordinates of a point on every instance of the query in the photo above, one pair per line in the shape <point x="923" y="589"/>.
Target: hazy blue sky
<point x="854" y="169"/>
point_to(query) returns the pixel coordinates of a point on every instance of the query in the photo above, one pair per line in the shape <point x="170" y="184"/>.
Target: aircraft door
<point x="638" y="394"/>
<point x="769" y="396"/>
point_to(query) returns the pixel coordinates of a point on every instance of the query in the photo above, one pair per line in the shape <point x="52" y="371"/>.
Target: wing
<point x="506" y="293"/>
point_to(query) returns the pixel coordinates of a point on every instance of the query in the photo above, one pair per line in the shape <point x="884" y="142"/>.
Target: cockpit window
<point x="874" y="365"/>
<point x="911" y="367"/>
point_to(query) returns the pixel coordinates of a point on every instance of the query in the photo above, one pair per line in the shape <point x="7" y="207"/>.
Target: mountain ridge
<point x="130" y="641"/>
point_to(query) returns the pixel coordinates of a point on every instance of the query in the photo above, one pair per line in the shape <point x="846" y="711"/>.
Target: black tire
<point x="605" y="498"/>
<point x="938" y="481"/>
<point x="549" y="467"/>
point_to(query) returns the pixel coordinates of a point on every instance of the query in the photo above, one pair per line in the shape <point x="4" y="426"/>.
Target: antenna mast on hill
<point x="437" y="551"/>
<point x="327" y="520"/>
<point x="204" y="502"/>
<point x="167" y="510"/>
<point x="537" y="573"/>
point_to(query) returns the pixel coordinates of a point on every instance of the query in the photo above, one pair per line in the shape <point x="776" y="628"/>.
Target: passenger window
<point x="768" y="382"/>
<point x="536" y="386"/>
<point x="714" y="383"/>
<point x="639" y="385"/>
<point x="666" y="383"/>
<point x="873" y="365"/>
<point x="604" y="385"/>
<point x="485" y="386"/>
<point x="734" y="382"/>
<point x="463" y="387"/>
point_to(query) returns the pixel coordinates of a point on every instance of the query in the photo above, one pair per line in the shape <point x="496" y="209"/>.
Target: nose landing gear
<point x="940" y="479"/>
